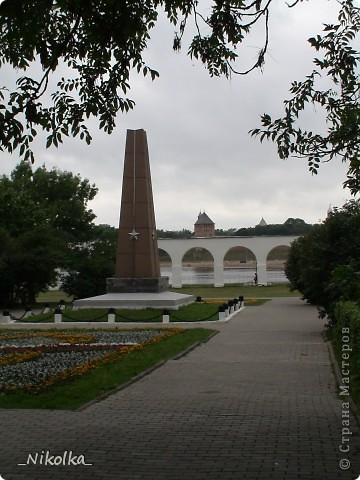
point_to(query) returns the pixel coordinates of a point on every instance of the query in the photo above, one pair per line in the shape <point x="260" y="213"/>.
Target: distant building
<point x="262" y="223"/>
<point x="204" y="226"/>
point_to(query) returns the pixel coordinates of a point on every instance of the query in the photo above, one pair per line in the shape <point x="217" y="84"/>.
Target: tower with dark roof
<point x="204" y="226"/>
<point x="262" y="223"/>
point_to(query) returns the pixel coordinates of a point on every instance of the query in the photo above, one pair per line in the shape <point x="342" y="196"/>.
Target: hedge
<point x="345" y="335"/>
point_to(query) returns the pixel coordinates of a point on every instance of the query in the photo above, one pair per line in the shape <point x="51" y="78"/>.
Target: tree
<point x="184" y="233"/>
<point x="297" y="226"/>
<point x="292" y="226"/>
<point x="43" y="217"/>
<point x="91" y="264"/>
<point x="29" y="266"/>
<point x="230" y="232"/>
<point x="324" y="265"/>
<point x="99" y="45"/>
<point x="340" y="103"/>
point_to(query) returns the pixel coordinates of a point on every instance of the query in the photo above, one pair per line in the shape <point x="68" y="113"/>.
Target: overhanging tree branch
<point x="340" y="104"/>
<point x="103" y="43"/>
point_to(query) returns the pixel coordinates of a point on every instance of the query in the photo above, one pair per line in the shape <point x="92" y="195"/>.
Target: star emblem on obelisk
<point x="133" y="234"/>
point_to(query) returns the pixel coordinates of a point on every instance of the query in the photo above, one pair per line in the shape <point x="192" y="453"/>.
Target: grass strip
<point x="106" y="378"/>
<point x="354" y="386"/>
<point x="195" y="312"/>
<point x="234" y="290"/>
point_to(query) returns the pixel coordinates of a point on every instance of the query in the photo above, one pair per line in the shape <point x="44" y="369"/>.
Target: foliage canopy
<point x="340" y="102"/>
<point x="324" y="265"/>
<point x="74" y="60"/>
<point x="99" y="44"/>
<point x="91" y="264"/>
<point x="44" y="215"/>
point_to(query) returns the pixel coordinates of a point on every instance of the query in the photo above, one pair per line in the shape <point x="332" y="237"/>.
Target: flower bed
<point x="34" y="360"/>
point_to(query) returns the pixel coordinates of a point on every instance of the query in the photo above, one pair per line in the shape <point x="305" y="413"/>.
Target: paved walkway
<point x="258" y="401"/>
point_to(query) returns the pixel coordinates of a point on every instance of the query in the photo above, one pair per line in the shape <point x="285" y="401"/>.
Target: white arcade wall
<point x="218" y="247"/>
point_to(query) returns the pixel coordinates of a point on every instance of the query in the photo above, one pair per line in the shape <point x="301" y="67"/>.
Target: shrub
<point x="346" y="331"/>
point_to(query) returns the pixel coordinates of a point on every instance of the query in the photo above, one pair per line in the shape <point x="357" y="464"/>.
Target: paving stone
<point x="258" y="401"/>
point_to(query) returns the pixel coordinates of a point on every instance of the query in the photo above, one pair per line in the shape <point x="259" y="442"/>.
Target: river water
<point x="205" y="275"/>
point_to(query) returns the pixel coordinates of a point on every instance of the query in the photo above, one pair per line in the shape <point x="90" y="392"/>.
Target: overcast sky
<point x="201" y="155"/>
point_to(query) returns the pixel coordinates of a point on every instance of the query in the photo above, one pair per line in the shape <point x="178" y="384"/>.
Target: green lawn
<point x="205" y="291"/>
<point x="233" y="291"/>
<point x="53" y="297"/>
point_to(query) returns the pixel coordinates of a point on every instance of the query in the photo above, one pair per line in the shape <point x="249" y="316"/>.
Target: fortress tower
<point x="204" y="226"/>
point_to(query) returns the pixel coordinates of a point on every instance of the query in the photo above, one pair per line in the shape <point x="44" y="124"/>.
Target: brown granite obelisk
<point x="137" y="258"/>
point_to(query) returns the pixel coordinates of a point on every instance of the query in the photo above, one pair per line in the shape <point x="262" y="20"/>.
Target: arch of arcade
<point x="218" y="247"/>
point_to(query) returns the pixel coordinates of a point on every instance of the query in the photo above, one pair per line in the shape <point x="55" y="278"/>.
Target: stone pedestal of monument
<point x="133" y="285"/>
<point x="165" y="300"/>
<point x="137" y="282"/>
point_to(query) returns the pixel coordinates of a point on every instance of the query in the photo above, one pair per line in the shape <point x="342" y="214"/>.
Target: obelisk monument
<point x="137" y="259"/>
<point x="137" y="282"/>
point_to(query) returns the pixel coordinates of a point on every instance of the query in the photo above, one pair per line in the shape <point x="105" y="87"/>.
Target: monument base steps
<point x="166" y="300"/>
